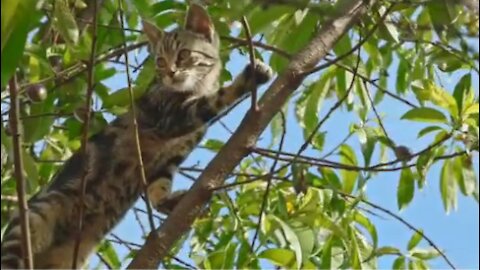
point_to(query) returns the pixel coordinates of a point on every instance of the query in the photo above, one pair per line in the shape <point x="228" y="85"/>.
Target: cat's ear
<point x="154" y="34"/>
<point x="199" y="22"/>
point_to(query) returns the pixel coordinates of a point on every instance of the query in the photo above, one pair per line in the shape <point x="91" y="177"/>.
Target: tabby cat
<point x="172" y="116"/>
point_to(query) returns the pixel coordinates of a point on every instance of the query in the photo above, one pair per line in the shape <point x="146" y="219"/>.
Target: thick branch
<point x="160" y="242"/>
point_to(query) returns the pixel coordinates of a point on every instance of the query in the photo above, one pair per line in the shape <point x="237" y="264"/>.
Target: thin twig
<point x="231" y="132"/>
<point x="372" y="82"/>
<point x="104" y="261"/>
<point x="258" y="44"/>
<point x="379" y="119"/>
<point x="269" y="182"/>
<point x="183" y="262"/>
<point x="139" y="221"/>
<point x="86" y="126"/>
<point x="131" y="246"/>
<point x="329" y="153"/>
<point x="248" y="35"/>
<point x="18" y="163"/>
<point x="333" y="108"/>
<point x="380" y="167"/>
<point x="134" y="121"/>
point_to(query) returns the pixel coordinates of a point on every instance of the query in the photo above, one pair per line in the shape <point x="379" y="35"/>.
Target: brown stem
<point x="86" y="126"/>
<point x="18" y="163"/>
<point x="258" y="44"/>
<point x="134" y="122"/>
<point x="269" y="181"/>
<point x="248" y="35"/>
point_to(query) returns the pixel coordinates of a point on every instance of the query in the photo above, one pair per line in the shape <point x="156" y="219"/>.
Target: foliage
<point x="313" y="215"/>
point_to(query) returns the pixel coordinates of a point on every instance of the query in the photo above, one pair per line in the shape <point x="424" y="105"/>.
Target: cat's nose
<point x="171" y="72"/>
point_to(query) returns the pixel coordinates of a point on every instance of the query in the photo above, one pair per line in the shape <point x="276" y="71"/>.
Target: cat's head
<point x="186" y="58"/>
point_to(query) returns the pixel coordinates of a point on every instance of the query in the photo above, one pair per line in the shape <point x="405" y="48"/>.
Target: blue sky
<point x="456" y="233"/>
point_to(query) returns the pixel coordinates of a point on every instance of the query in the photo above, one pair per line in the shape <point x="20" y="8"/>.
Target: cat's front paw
<point x="263" y="73"/>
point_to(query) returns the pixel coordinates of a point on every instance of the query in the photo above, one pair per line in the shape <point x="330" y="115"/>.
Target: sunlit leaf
<point x="414" y="240"/>
<point x="399" y="263"/>
<point x="406" y="188"/>
<point x="424" y="254"/>
<point x="292" y="239"/>
<point x="347" y="157"/>
<point x="425" y="114"/>
<point x="448" y="187"/>
<point x="65" y="22"/>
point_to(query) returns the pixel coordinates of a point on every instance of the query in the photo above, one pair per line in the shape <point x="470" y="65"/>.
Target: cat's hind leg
<point x="42" y="217"/>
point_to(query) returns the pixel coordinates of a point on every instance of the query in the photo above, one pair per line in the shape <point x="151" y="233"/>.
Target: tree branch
<point x="134" y="122"/>
<point x="180" y="220"/>
<point x="86" y="126"/>
<point x="18" y="163"/>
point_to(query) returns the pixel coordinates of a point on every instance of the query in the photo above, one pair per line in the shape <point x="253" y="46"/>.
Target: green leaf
<point x="387" y="29"/>
<point x="65" y="22"/>
<point x="427" y="130"/>
<point x="330" y="177"/>
<point x="109" y="254"/>
<point x="441" y="15"/>
<point x="31" y="171"/>
<point x="223" y="258"/>
<point x="448" y="186"/>
<point x="310" y="201"/>
<point x="440" y="97"/>
<point x="243" y="255"/>
<point x="343" y="45"/>
<point x="399" y="263"/>
<point x="308" y="108"/>
<point x="424" y="254"/>
<point x="326" y="257"/>
<point x="355" y="255"/>
<point x="406" y="188"/>
<point x="36" y="128"/>
<point x="276" y="129"/>
<point x="292" y="239"/>
<point x="414" y="240"/>
<point x="402" y="75"/>
<point x="306" y="237"/>
<point x="347" y="157"/>
<point x="121" y="97"/>
<point x="387" y="251"/>
<point x="214" y="145"/>
<point x="369" y="226"/>
<point x="144" y="7"/>
<point x="466" y="178"/>
<point x="419" y="265"/>
<point x="462" y="89"/>
<point x="18" y="18"/>
<point x="424" y="162"/>
<point x="279" y="256"/>
<point x="261" y="19"/>
<point x="425" y="114"/>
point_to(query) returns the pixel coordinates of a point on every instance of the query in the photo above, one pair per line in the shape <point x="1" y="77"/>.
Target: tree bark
<point x="159" y="242"/>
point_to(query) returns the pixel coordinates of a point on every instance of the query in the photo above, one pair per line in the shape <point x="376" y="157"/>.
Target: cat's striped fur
<point x="173" y="116"/>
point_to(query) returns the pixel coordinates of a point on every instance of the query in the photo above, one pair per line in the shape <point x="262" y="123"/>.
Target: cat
<point x="173" y="116"/>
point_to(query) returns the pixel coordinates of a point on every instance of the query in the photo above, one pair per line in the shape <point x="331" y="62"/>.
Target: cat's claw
<point x="263" y="73"/>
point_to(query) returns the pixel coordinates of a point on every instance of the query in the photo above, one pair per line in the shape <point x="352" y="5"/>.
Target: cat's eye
<point x="161" y="62"/>
<point x="183" y="54"/>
